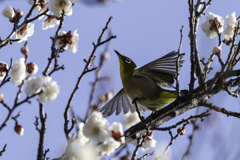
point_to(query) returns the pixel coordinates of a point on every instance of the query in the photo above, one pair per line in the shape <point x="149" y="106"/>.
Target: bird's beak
<point x="119" y="55"/>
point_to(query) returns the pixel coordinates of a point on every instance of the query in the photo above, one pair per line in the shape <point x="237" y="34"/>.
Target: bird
<point x="144" y="85"/>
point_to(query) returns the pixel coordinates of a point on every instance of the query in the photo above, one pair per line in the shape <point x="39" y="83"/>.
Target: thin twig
<point x="172" y="139"/>
<point x="204" y="114"/>
<point x="6" y="78"/>
<point x="177" y="62"/>
<point x="192" y="136"/>
<point x="3" y="150"/>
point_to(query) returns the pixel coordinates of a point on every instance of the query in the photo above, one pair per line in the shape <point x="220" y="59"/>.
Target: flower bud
<point x="182" y="132"/>
<point x="3" y="70"/>
<point x="19" y="129"/>
<point x="25" y="49"/>
<point x="1" y="97"/>
<point x="32" y="68"/>
<point x="228" y="42"/>
<point x="19" y="14"/>
<point x="193" y="120"/>
<point x="105" y="56"/>
<point x="217" y="50"/>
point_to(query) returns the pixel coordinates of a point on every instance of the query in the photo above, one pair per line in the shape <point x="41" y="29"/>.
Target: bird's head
<point x="126" y="64"/>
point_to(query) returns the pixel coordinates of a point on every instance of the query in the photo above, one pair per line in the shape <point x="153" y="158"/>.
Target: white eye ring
<point x="128" y="61"/>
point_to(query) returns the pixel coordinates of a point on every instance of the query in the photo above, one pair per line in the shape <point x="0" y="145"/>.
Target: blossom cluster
<point x="97" y="135"/>
<point x="214" y="24"/>
<point x="213" y="27"/>
<point x="43" y="8"/>
<point x="48" y="90"/>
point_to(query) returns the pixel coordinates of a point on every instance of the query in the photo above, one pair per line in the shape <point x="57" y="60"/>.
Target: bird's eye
<point x="128" y="61"/>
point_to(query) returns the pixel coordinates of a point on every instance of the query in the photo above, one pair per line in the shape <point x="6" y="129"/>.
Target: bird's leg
<point x="135" y="102"/>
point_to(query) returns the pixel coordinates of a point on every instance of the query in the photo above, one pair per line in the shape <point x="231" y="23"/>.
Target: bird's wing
<point x="121" y="101"/>
<point x="162" y="71"/>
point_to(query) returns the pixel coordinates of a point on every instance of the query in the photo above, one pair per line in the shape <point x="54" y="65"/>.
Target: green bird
<point x="144" y="85"/>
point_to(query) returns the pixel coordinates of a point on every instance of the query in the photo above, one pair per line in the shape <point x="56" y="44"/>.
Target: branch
<point x="177" y="62"/>
<point x="97" y="77"/>
<point x="204" y="114"/>
<point x="192" y="135"/>
<point x="5" y="79"/>
<point x="85" y="70"/>
<point x="219" y="109"/>
<point x="172" y="139"/>
<point x="54" y="53"/>
<point x="43" y="120"/>
<point x="3" y="150"/>
<point x="145" y="155"/>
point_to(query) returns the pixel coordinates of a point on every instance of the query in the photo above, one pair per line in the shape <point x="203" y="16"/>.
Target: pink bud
<point x="25" y="49"/>
<point x="19" y="14"/>
<point x="19" y="129"/>
<point x="105" y="56"/>
<point x="182" y="132"/>
<point x="32" y="68"/>
<point x="228" y="42"/>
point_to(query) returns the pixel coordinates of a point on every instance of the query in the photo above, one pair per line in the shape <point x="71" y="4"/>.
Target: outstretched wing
<point x="121" y="101"/>
<point x="162" y="71"/>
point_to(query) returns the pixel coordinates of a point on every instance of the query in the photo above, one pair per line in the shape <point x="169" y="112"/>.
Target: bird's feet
<point x="134" y="101"/>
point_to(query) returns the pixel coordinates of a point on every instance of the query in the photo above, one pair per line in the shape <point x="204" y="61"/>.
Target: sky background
<point x="145" y="30"/>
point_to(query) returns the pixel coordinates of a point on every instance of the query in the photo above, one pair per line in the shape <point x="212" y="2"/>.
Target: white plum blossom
<point x="230" y="26"/>
<point x="65" y="38"/>
<point x="130" y="119"/>
<point x="74" y="44"/>
<point x="87" y="152"/>
<point x="41" y="7"/>
<point x="50" y="22"/>
<point x="18" y="73"/>
<point x="35" y="84"/>
<point x="3" y="69"/>
<point x="49" y="92"/>
<point x="148" y="143"/>
<point x="8" y="12"/>
<point x="56" y="6"/>
<point x="212" y="24"/>
<point x="96" y="127"/>
<point x="60" y="41"/>
<point x="37" y="8"/>
<point x="117" y="132"/>
<point x="25" y="32"/>
<point x="81" y="140"/>
<point x="108" y="146"/>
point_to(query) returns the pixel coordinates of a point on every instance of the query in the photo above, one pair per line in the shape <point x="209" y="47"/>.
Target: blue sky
<point x="145" y="30"/>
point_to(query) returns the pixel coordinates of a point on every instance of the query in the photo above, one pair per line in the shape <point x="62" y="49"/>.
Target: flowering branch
<point x="54" y="53"/>
<point x="85" y="70"/>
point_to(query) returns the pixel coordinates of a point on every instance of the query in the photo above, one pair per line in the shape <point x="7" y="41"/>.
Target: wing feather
<point x="162" y="71"/>
<point x="121" y="101"/>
